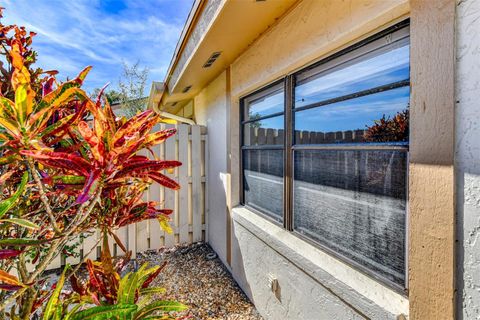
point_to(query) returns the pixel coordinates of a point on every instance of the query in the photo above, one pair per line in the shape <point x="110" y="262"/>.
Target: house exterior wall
<point x="468" y="158"/>
<point x="210" y="107"/>
<point x="313" y="284"/>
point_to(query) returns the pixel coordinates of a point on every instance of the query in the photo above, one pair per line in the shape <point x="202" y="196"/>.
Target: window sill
<point x="355" y="288"/>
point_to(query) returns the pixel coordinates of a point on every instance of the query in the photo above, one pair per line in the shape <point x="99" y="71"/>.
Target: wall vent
<point x="212" y="59"/>
<point x="174" y="104"/>
<point x="186" y="89"/>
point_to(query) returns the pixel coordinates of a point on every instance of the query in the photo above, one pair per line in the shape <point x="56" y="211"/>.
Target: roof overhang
<point x="230" y="30"/>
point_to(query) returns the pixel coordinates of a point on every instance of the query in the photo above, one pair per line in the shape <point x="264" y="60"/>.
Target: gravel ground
<point x="204" y="284"/>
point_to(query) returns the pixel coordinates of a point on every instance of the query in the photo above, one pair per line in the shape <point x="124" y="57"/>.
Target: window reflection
<point x="377" y="68"/>
<point x="355" y="203"/>
<point x="263" y="181"/>
<point x="264" y="132"/>
<point x="381" y="117"/>
<point x="265" y="103"/>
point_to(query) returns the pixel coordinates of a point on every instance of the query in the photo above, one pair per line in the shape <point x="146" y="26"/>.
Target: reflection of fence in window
<point x="338" y="204"/>
<point x="268" y="136"/>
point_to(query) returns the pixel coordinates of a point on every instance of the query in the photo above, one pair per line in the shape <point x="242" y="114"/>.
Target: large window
<point x="325" y="153"/>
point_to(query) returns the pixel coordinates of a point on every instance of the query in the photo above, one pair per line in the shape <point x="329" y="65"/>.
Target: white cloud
<point x="74" y="34"/>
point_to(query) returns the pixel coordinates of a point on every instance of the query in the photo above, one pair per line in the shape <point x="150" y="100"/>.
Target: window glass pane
<point x="263" y="181"/>
<point x="354" y="202"/>
<point x="264" y="103"/>
<point x="383" y="66"/>
<point x="267" y="131"/>
<point x="356" y="120"/>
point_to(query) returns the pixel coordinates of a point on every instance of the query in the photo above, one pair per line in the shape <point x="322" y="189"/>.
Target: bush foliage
<point x="68" y="166"/>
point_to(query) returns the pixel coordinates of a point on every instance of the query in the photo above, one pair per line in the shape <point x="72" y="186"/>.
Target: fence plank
<point x="271" y="136"/>
<point x="142" y="233"/>
<point x="206" y="194"/>
<point x="183" y="181"/>
<point x="196" y="184"/>
<point x="89" y="246"/>
<point x="170" y="154"/>
<point x="132" y="239"/>
<point x="122" y="235"/>
<point x="155" y="190"/>
<point x="74" y="260"/>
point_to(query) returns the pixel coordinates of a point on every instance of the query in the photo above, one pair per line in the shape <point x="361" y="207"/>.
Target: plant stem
<point x="84" y="213"/>
<point x="27" y="303"/>
<point x="43" y="196"/>
<point x="46" y="261"/>
<point x="22" y="268"/>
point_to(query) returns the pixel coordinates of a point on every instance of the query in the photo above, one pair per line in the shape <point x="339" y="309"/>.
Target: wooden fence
<point x="189" y="203"/>
<point x="268" y="136"/>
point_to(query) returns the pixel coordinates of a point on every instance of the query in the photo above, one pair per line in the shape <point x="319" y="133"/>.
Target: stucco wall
<point x="468" y="157"/>
<point x="211" y="111"/>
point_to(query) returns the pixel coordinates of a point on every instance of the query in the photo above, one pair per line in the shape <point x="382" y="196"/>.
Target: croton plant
<point x="68" y="166"/>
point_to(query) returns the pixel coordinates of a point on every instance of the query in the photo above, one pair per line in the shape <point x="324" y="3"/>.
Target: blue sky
<point x="72" y="34"/>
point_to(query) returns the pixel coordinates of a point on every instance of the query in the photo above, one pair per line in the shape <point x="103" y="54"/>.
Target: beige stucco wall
<point x="210" y="107"/>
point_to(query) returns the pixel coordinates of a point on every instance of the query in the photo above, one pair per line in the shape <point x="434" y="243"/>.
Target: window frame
<point x="243" y="147"/>
<point x="289" y="146"/>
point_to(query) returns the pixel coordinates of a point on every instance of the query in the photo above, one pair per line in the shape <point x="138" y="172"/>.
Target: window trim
<point x="289" y="147"/>
<point x="256" y="147"/>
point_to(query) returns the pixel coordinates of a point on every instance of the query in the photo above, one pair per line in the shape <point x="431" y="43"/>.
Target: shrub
<point x="69" y="166"/>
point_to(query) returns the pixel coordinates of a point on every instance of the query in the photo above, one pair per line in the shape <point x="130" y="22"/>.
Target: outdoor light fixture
<point x="212" y="59"/>
<point x="186" y="89"/>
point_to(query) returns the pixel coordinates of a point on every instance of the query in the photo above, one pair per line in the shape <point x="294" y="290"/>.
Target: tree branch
<point x="43" y="196"/>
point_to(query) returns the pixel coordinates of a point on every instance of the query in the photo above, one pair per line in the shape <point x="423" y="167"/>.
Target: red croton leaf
<point x="9" y="287"/>
<point x="153" y="276"/>
<point x="143" y="167"/>
<point x="163" y="180"/>
<point x="89" y="187"/>
<point x="61" y="160"/>
<point x="9" y="253"/>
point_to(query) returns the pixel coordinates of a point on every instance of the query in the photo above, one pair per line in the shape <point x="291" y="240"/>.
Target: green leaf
<point x="21" y="102"/>
<point x="21" y="242"/>
<point x="22" y="222"/>
<point x="106" y="312"/>
<point x="69" y="315"/>
<point x="7" y="204"/>
<point x="50" y="309"/>
<point x="152" y="290"/>
<point x="56" y="125"/>
<point x="127" y="287"/>
<point x="7" y="159"/>
<point x="160" y="306"/>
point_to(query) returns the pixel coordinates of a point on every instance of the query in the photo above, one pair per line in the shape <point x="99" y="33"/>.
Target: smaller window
<point x="262" y="151"/>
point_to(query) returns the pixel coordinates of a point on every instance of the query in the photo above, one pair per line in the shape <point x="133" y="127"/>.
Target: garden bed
<point x="194" y="278"/>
